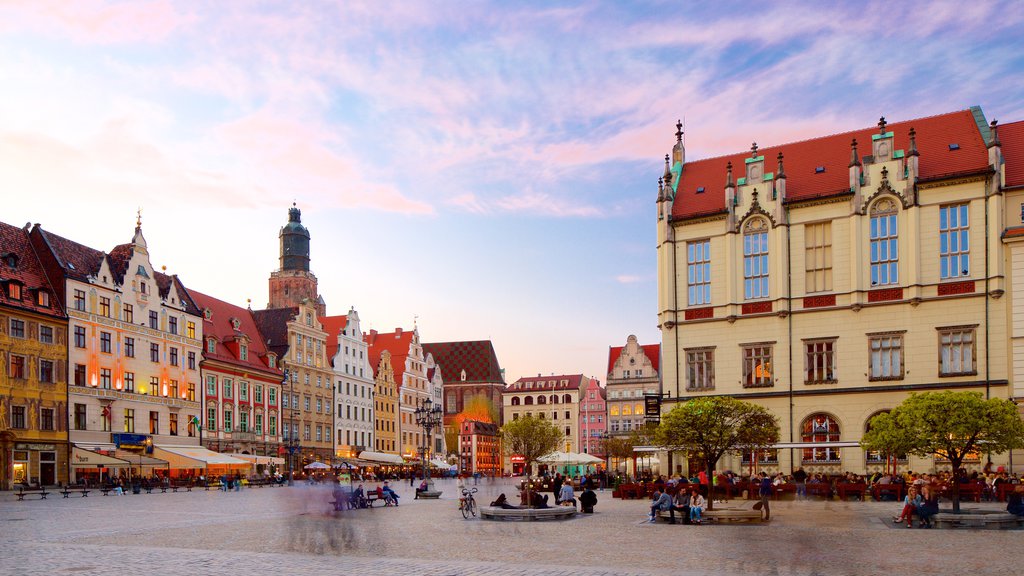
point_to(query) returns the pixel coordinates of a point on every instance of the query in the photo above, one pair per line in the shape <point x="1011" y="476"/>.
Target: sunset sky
<point x="490" y="167"/>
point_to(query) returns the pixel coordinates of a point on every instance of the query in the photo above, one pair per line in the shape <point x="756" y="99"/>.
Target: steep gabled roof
<point x="477" y="358"/>
<point x="934" y="135"/>
<point x="219" y="326"/>
<point x="333" y="325"/>
<point x="548" y="383"/>
<point x="652" y="351"/>
<point x="28" y="273"/>
<point x="273" y="325"/>
<point x="1012" y="137"/>
<point x="77" y="260"/>
<point x="397" y="343"/>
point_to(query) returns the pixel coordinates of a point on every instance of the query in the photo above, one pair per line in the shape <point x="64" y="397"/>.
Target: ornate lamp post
<point x="428" y="417"/>
<point x="291" y="440"/>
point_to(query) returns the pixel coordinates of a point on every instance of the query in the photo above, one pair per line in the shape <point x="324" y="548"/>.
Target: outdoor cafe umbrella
<point x="316" y="466"/>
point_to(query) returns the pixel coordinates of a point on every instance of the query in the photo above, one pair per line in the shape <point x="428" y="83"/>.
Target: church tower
<point x="293" y="282"/>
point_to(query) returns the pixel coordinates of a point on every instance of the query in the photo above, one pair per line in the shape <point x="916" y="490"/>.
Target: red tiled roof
<point x="397" y="342"/>
<point x="219" y="326"/>
<point x="934" y="135"/>
<point x="477" y="358"/>
<point x="1012" y="137"/>
<point x="78" y="261"/>
<point x="575" y="381"/>
<point x="333" y="325"/>
<point x="652" y="351"/>
<point x="28" y="272"/>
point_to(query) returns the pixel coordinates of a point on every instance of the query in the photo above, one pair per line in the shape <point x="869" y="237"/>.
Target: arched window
<point x="554" y="398"/>
<point x="566" y="399"/>
<point x="885" y="247"/>
<point x="755" y="259"/>
<point x="820" y="429"/>
<point x="515" y="401"/>
<point x="528" y="400"/>
<point x="542" y="399"/>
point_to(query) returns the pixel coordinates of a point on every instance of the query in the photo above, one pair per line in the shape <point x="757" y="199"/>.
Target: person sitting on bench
<point x="502" y="502"/>
<point x="588" y="499"/>
<point x="421" y="488"/>
<point x="390" y="496"/>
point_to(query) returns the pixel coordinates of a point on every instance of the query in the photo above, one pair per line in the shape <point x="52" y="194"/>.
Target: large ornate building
<point x="33" y="367"/>
<point x="386" y="421"/>
<point x="830" y="278"/>
<point x="293" y="331"/>
<point x="554" y="398"/>
<point x="471" y="372"/>
<point x="354" y="384"/>
<point x="632" y="373"/>
<point x="135" y="345"/>
<point x="241" y="382"/>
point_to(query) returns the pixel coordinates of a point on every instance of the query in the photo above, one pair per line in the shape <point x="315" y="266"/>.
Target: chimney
<point x="398" y="333"/>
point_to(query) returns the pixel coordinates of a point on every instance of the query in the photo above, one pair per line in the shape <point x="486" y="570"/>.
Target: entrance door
<point x="47" y="468"/>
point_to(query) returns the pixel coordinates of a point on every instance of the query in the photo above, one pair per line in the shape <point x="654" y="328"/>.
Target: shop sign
<point x="40" y="447"/>
<point x="652" y="407"/>
<point x="517" y="459"/>
<point x="129" y="441"/>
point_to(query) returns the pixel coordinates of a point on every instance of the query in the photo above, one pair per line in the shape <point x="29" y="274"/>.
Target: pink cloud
<point x="97" y="21"/>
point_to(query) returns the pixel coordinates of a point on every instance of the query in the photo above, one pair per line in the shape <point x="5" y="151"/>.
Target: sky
<point x="485" y="170"/>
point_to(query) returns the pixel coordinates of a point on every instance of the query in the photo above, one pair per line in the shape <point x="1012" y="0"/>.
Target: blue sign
<point x="129" y="441"/>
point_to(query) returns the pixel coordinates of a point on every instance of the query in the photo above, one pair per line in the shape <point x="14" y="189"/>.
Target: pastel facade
<point x="135" y="342"/>
<point x="479" y="448"/>
<point x="413" y="386"/>
<point x="386" y="415"/>
<point x="33" y="368"/>
<point x="593" y="423"/>
<point x="555" y="398"/>
<point x="828" y="279"/>
<point x="632" y="373"/>
<point x="354" y="420"/>
<point x="241" y="382"/>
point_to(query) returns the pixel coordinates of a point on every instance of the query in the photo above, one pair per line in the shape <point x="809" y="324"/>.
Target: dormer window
<point x="235" y="323"/>
<point x="272" y="360"/>
<point x="14" y="290"/>
<point x="143" y="288"/>
<point x="11" y="260"/>
<point x="211" y="345"/>
<point x="43" y="298"/>
<point x="243" y="352"/>
<point x="207" y="314"/>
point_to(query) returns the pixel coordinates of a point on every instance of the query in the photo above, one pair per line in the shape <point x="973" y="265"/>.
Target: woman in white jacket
<point x="697" y="504"/>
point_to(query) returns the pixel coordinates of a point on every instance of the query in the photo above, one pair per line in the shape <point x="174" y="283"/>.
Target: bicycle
<point x="467" y="504"/>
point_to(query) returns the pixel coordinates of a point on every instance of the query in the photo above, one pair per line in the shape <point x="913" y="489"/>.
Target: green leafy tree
<point x="530" y="438"/>
<point x="950" y="425"/>
<point x="710" y="427"/>
<point x="619" y="447"/>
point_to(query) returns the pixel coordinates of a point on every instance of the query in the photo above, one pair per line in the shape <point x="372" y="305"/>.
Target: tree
<point x="478" y="407"/>
<point x="620" y="447"/>
<point x="710" y="427"/>
<point x="530" y="438"/>
<point x="950" y="425"/>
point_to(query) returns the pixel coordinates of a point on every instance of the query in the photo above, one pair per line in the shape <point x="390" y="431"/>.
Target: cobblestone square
<point x="290" y="529"/>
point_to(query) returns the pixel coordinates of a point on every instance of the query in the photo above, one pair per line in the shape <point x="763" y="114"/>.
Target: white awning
<point x="141" y="460"/>
<point x="381" y="457"/>
<point x="96" y="446"/>
<point x="82" y="458"/>
<point x="191" y="457"/>
<point x="260" y="459"/>
<point x="439" y="463"/>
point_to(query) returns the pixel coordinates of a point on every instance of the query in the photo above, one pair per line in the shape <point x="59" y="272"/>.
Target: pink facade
<point x="593" y="419"/>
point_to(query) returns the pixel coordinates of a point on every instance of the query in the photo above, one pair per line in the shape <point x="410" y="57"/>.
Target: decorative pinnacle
<point x="994" y="141"/>
<point x="753" y="150"/>
<point x="854" y="158"/>
<point x="782" y="173"/>
<point x="913" y="142"/>
<point x="679" y="130"/>
<point x="885" y="174"/>
<point x="881" y="124"/>
<point x="138" y="218"/>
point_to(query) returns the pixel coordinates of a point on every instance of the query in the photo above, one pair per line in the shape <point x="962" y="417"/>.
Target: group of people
<point x="689" y="503"/>
<point x="922" y="502"/>
<point x="356" y="498"/>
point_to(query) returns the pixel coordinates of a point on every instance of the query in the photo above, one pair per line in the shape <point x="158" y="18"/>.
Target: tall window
<point x="105" y="306"/>
<point x="700" y="369"/>
<point x="886" y="357"/>
<point x="211" y="419"/>
<point x="954" y="241"/>
<point x="17" y="328"/>
<point x="885" y="250"/>
<point x="154" y="320"/>
<point x="79" y="337"/>
<point x="820" y="429"/>
<point x="818" y="257"/>
<point x="211" y="386"/>
<point x="154" y="422"/>
<point x="46" y="371"/>
<point x="129" y="347"/>
<point x="174" y="356"/>
<point x="227" y="419"/>
<point x="172" y="325"/>
<point x="79" y="378"/>
<point x="190" y="329"/>
<point x="80" y="417"/>
<point x="173" y="424"/>
<point x="228" y="388"/>
<point x="105" y="342"/>
<point x="243" y="391"/>
<point x="154" y="352"/>
<point x="105" y="378"/>
<point x="243" y="421"/>
<point x="128" y="312"/>
<point x="79" y="303"/>
<point x="18" y="418"/>
<point x="258" y="424"/>
<point x="191" y="360"/>
<point x="755" y="259"/>
<point x="957" y="351"/>
<point x="46" y="334"/>
<point x="819" y="361"/>
<point x="698" y="272"/>
<point x="129" y="420"/>
<point x="129" y="382"/>
<point x="757" y="365"/>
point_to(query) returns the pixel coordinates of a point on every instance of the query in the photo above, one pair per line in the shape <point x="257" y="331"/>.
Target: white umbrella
<point x="316" y="466"/>
<point x="583" y="458"/>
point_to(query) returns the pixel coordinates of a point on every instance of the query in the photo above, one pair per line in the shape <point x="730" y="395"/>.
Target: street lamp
<point x="428" y="417"/>
<point x="292" y="438"/>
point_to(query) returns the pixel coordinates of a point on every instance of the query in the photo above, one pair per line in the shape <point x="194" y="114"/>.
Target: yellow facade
<point x="33" y="402"/>
<point x="829" y="338"/>
<point x="385" y="408"/>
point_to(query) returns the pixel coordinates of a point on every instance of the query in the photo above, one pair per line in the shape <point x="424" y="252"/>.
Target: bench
<point x="847" y="489"/>
<point x="179" y="485"/>
<point x="527" y="514"/>
<point x="721" y="515"/>
<point x="41" y="492"/>
<point x="990" y="521"/>
<point x="68" y="490"/>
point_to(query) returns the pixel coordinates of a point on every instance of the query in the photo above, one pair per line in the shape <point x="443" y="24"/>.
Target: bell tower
<point x="293" y="282"/>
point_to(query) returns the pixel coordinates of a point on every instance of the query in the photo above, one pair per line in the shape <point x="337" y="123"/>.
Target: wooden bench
<point x="527" y="514"/>
<point x="41" y="492"/>
<point x="993" y="521"/>
<point x="68" y="490"/>
<point x="847" y="489"/>
<point x="720" y="515"/>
